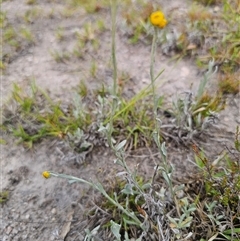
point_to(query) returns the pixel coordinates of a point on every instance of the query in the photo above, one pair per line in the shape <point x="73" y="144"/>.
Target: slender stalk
<point x="100" y="188"/>
<point x="153" y="51"/>
<point x="114" y="61"/>
<point x="155" y="106"/>
<point x="114" y="66"/>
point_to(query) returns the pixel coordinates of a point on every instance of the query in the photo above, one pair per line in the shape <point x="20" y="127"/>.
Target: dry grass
<point x="229" y="83"/>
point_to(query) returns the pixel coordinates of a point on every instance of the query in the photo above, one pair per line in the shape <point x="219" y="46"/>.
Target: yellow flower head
<point x="46" y="174"/>
<point x="158" y="19"/>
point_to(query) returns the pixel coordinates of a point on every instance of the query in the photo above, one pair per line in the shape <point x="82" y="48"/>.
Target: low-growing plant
<point x="199" y="38"/>
<point x="68" y="12"/>
<point x="14" y="39"/>
<point x="27" y="35"/>
<point x="209" y="2"/>
<point x="60" y="56"/>
<point x="133" y="119"/>
<point x="9" y="34"/>
<point x="82" y="89"/>
<point x="194" y="113"/>
<point x="198" y="13"/>
<point x="90" y="6"/>
<point x="32" y="14"/>
<point x="4" y="196"/>
<point x="221" y="191"/>
<point x="89" y="32"/>
<point x="2" y="65"/>
<point x="226" y="52"/>
<point x="3" y="19"/>
<point x="93" y="69"/>
<point x="229" y="83"/>
<point x="31" y="2"/>
<point x="59" y="33"/>
<point x="33" y="116"/>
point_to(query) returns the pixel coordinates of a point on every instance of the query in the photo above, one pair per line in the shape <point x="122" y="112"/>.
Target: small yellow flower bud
<point x="46" y="174"/>
<point x="158" y="19"/>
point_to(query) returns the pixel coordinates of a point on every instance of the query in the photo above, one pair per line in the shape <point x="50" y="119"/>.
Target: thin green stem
<point x="153" y="51"/>
<point x="114" y="65"/>
<point x="155" y="106"/>
<point x="114" y="61"/>
<point x="100" y="188"/>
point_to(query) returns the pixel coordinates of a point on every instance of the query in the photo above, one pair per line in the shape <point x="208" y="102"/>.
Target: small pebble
<point x="145" y="81"/>
<point x="15" y="231"/>
<point x="54" y="211"/>
<point x="9" y="230"/>
<point x="216" y="9"/>
<point x="52" y="238"/>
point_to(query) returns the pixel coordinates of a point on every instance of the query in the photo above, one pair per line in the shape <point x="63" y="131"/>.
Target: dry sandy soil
<point x="40" y="209"/>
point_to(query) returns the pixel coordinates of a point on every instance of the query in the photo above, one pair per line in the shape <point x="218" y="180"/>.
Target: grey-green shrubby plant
<point x="193" y="114"/>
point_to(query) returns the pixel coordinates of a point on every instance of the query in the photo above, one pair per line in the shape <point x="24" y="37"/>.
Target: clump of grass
<point x="82" y="89"/>
<point x="93" y="69"/>
<point x="133" y="119"/>
<point x="90" y="6"/>
<point x="32" y="14"/>
<point x="209" y="2"/>
<point x="14" y="39"/>
<point x="31" y="2"/>
<point x="2" y="65"/>
<point x="3" y="19"/>
<point x="34" y="116"/>
<point x="229" y="83"/>
<point x="9" y="34"/>
<point x="199" y="36"/>
<point x="27" y="35"/>
<point x="220" y="193"/>
<point x="191" y="37"/>
<point x="4" y="196"/>
<point x="59" y="34"/>
<point x="207" y="105"/>
<point x="68" y="12"/>
<point x="60" y="56"/>
<point x="86" y="40"/>
<point x="198" y="13"/>
<point x="222" y="182"/>
<point x="226" y="51"/>
<point x="89" y="32"/>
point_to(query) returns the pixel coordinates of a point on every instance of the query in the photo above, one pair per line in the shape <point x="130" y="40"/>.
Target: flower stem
<point x="114" y="61"/>
<point x="100" y="188"/>
<point x="114" y="66"/>
<point x="156" y="132"/>
<point x="153" y="51"/>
